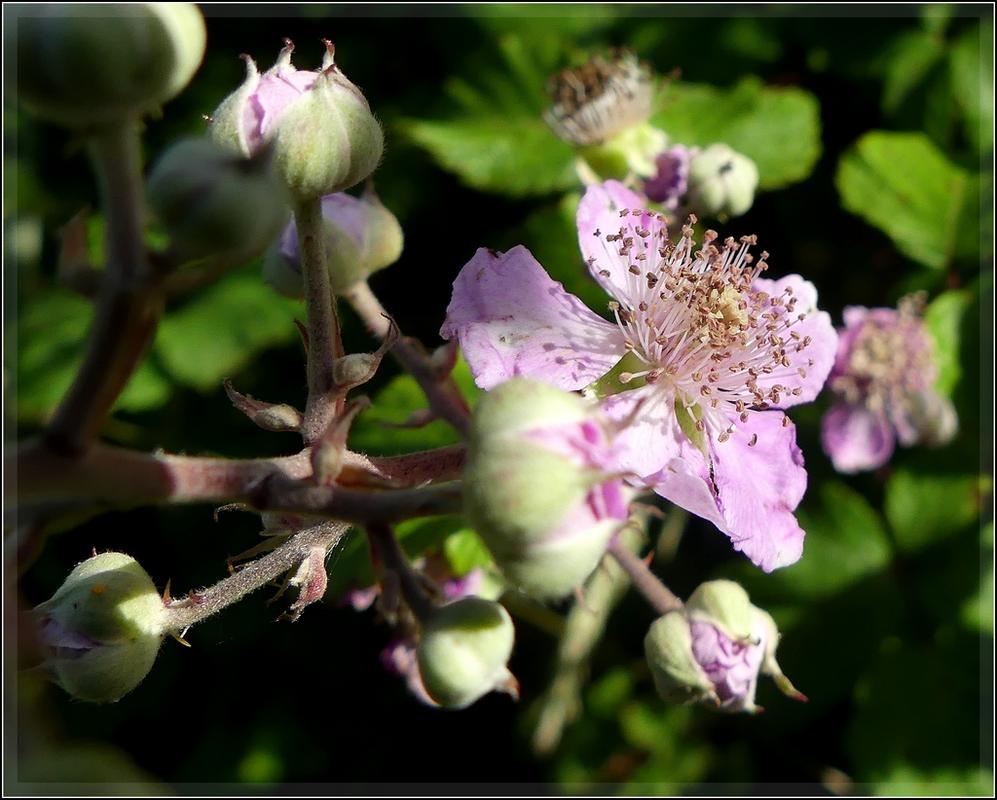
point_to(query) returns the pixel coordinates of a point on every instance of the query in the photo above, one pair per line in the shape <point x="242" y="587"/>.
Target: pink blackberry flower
<point x="883" y="377"/>
<point x="701" y="357"/>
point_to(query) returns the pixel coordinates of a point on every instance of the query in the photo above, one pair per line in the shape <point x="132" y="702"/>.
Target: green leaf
<point x="778" y="128"/>
<point x="943" y="319"/>
<point x="846" y="541"/>
<point x="517" y="155"/>
<point x="50" y="338"/>
<point x="902" y="184"/>
<point x="918" y="703"/>
<point x="909" y="60"/>
<point x="218" y="331"/>
<point x="465" y="551"/>
<point x="977" y="613"/>
<point x="925" y="508"/>
<point x="908" y="780"/>
<point x="971" y="71"/>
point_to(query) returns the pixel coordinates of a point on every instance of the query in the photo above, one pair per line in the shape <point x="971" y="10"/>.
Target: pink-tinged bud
<point x="670" y="181"/>
<point x="102" y="629"/>
<point x="538" y="488"/>
<point x="713" y="650"/>
<point x="361" y="237"/>
<point x="83" y="65"/>
<point x="324" y="135"/>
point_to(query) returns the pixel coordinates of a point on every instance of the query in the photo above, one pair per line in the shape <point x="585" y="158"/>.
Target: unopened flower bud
<point x="537" y="486"/>
<point x="103" y="628"/>
<point x="464" y="650"/>
<point x="324" y="135"/>
<point x="933" y="417"/>
<point x="215" y="203"/>
<point x="83" y="65"/>
<point x="722" y="182"/>
<point x="712" y="650"/>
<point x="362" y="237"/>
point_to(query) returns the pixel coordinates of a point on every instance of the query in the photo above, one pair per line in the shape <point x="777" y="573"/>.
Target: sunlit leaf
<point x="223" y="327"/>
<point x="902" y="184"/>
<point x="924" y="508"/>
<point x="777" y="127"/>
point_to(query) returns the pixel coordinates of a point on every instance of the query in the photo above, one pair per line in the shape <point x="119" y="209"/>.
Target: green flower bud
<point x="103" y="628"/>
<point x="678" y="677"/>
<point x="324" y="136"/>
<point x="361" y="237"/>
<point x="631" y="152"/>
<point x="537" y="487"/>
<point x="722" y="182"/>
<point x="464" y="650"/>
<point x="82" y="64"/>
<point x="214" y="203"/>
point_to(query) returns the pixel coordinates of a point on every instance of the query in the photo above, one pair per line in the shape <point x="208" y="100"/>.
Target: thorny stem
<point x="443" y="396"/>
<point x="646" y="582"/>
<point x="324" y="339"/>
<point x="129" y="302"/>
<point x="382" y="538"/>
<point x="198" y="606"/>
<point x="120" y="478"/>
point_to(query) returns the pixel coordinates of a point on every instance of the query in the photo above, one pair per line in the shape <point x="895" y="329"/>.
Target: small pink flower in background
<point x="671" y="181"/>
<point x="705" y="354"/>
<point x="883" y="376"/>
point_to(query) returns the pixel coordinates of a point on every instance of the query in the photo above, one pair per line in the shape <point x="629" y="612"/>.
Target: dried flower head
<point x="604" y="96"/>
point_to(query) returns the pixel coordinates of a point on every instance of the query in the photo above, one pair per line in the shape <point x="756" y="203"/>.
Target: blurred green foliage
<point x="874" y="140"/>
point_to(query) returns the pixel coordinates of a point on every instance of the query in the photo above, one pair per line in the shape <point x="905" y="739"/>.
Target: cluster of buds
<point x="102" y="629"/>
<point x="713" y="649"/>
<point x="604" y="107"/>
<point x="538" y="488"/>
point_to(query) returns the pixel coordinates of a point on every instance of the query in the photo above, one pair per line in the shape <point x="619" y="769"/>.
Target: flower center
<point x="697" y="323"/>
<point x="890" y="359"/>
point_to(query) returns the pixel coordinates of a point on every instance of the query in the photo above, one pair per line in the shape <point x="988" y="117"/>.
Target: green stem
<point x="324" y="340"/>
<point x="129" y="302"/>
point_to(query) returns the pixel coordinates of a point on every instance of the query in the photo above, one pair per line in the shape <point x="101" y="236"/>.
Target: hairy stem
<point x="382" y="538"/>
<point x="129" y="302"/>
<point x="121" y="478"/>
<point x="646" y="582"/>
<point x="444" y="398"/>
<point x="324" y="339"/>
<point x="198" y="606"/>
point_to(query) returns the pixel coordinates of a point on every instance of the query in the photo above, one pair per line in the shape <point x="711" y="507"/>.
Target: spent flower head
<point x="884" y="380"/>
<point x="594" y="102"/>
<point x="702" y="355"/>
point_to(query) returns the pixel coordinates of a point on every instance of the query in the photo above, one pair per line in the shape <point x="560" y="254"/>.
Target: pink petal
<point x="654" y="448"/>
<point x="758" y="487"/>
<point x="512" y="319"/>
<point x="598" y="216"/>
<point x="816" y="358"/>
<point x="855" y="438"/>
